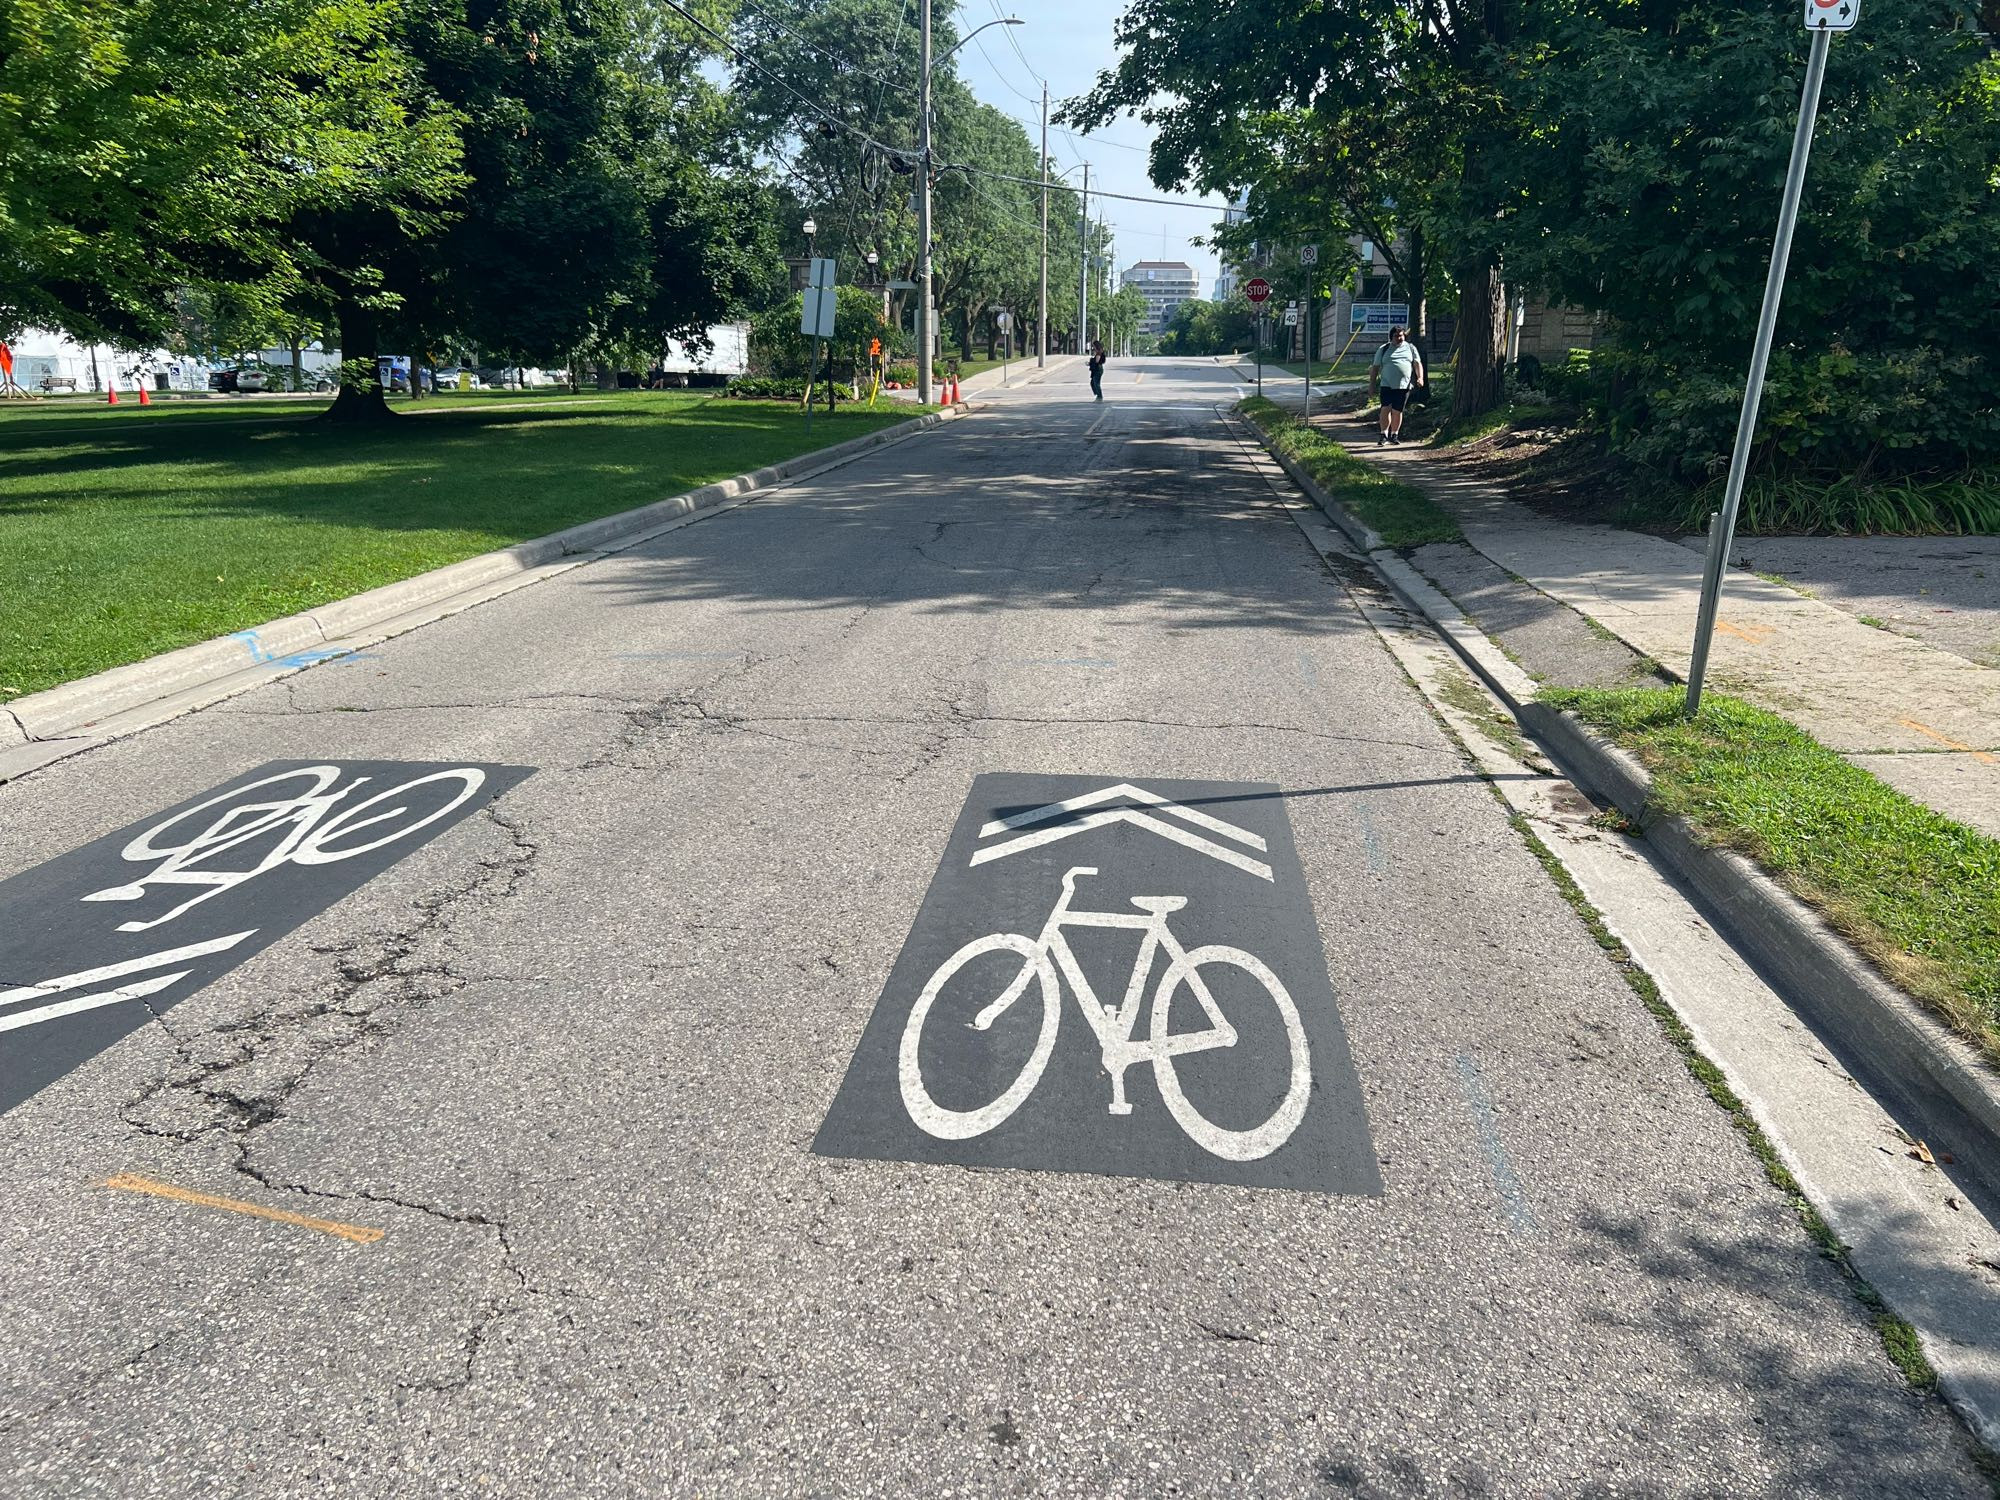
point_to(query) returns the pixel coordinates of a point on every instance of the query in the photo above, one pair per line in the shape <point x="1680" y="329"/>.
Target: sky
<point x="1068" y="42"/>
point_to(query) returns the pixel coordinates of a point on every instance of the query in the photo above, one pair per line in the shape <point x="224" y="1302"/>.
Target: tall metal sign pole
<point x="1823" y="18"/>
<point x="1083" y="276"/>
<point x="1042" y="322"/>
<point x="1309" y="258"/>
<point x="924" y="312"/>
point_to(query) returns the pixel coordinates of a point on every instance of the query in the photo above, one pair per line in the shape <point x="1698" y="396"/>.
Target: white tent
<point x="47" y="360"/>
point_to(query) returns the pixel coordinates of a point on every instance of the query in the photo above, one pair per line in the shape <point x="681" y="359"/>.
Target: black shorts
<point x="1395" y="400"/>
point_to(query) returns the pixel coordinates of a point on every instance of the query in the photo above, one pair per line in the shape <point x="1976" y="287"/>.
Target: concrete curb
<point x="76" y="710"/>
<point x="1935" y="1082"/>
<point x="1513" y="686"/>
<point x="1934" y="1077"/>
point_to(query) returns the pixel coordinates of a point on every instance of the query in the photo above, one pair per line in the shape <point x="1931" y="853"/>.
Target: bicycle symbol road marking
<point x="300" y="828"/>
<point x="1112" y="975"/>
<point x="1050" y="954"/>
<point x="139" y="920"/>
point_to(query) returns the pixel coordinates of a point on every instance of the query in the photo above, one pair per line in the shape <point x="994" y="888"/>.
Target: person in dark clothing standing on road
<point x="1097" y="370"/>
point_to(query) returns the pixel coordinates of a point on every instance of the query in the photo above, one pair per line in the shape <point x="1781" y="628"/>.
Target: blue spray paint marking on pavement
<point x="1059" y="661"/>
<point x="1308" y="673"/>
<point x="1370" y="845"/>
<point x="255" y="646"/>
<point x="1520" y="1217"/>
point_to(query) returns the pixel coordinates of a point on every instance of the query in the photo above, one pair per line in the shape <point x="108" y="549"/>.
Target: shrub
<point x="780" y="388"/>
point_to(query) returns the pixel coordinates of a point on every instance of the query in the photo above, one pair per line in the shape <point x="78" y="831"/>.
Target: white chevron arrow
<point x="1125" y="791"/>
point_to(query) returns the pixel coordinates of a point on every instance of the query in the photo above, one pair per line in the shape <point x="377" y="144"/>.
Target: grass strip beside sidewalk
<point x="126" y="534"/>
<point x="1400" y="514"/>
<point x="1915" y="891"/>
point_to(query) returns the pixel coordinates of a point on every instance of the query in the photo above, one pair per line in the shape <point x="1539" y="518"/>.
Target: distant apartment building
<point x="1232" y="276"/>
<point x="1165" y="284"/>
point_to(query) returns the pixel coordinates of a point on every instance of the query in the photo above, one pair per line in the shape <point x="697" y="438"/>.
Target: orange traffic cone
<point x="144" y="399"/>
<point x="111" y="395"/>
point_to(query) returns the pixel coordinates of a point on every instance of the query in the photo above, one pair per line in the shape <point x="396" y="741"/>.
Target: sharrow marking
<point x="1126" y="791"/>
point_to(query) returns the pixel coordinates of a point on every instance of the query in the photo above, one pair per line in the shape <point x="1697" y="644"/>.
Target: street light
<point x="925" y="313"/>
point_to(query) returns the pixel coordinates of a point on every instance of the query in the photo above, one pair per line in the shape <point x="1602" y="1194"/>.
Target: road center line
<point x="131" y="1182"/>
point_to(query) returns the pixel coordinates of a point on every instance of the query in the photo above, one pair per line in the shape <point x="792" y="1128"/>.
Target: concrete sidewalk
<point x="1925" y="720"/>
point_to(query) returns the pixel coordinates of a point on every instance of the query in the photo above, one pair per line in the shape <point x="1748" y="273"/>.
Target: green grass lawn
<point x="126" y="531"/>
<point x="1917" y="892"/>
<point x="1401" y="515"/>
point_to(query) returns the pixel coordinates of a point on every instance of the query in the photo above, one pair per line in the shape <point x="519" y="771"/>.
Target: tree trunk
<point x="1420" y="312"/>
<point x="298" y="369"/>
<point x="360" y="396"/>
<point x="1482" y="334"/>
<point x="416" y="369"/>
<point x="607" y="378"/>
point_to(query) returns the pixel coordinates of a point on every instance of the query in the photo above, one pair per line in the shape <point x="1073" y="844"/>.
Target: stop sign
<point x="1257" y="289"/>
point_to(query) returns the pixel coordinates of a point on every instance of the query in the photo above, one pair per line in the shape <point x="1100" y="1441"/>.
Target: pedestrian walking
<point x="1396" y="370"/>
<point x="1097" y="370"/>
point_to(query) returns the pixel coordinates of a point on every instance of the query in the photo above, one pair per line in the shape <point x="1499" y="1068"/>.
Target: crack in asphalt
<point x="1230" y="1335"/>
<point x="956" y="716"/>
<point x="613" y="703"/>
<point x="300" y="1038"/>
<point x="81" y="1387"/>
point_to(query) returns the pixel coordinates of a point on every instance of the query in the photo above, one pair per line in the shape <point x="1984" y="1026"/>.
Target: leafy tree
<point x="779" y="349"/>
<point x="148" y="146"/>
<point x="1649" y="193"/>
<point x="1344" y="115"/>
<point x="1210" y="328"/>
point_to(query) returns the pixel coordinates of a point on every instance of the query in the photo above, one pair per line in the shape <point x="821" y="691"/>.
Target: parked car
<point x="448" y="377"/>
<point x="242" y="380"/>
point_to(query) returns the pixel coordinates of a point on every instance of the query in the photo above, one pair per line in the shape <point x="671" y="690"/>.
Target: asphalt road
<point x="571" y="1055"/>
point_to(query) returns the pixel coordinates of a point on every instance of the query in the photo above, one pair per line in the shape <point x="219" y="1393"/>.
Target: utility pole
<point x="925" y="314"/>
<point x="1042" y="323"/>
<point x="1083" y="275"/>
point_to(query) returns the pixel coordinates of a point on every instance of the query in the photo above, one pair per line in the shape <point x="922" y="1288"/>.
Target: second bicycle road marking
<point x="99" y="940"/>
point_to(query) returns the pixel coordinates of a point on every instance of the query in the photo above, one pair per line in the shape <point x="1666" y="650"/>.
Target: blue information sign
<point x="1379" y="317"/>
